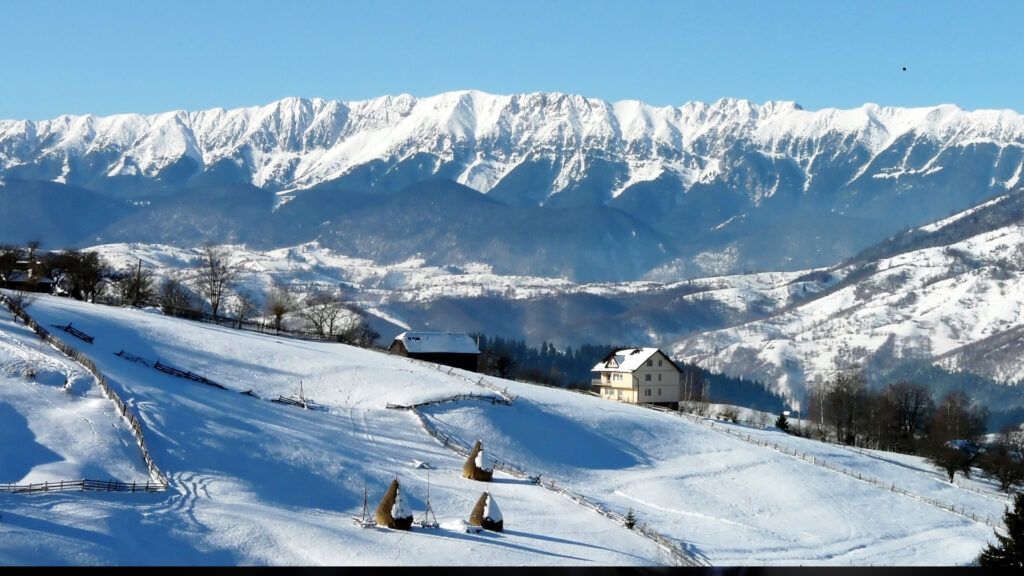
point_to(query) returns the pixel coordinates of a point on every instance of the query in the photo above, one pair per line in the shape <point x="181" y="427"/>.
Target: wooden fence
<point x="75" y="332"/>
<point x="84" y="486"/>
<point x="157" y="477"/>
<point x="247" y="325"/>
<point x="678" y="555"/>
<point x="891" y="486"/>
<point x="188" y="375"/>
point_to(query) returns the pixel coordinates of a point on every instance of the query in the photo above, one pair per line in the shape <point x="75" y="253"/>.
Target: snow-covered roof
<point x="438" y="342"/>
<point x="624" y="360"/>
<point x="26" y="276"/>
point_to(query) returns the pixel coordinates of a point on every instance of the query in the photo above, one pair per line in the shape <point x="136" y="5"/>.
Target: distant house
<point x="638" y="376"/>
<point x="29" y="278"/>
<point x="450" y="349"/>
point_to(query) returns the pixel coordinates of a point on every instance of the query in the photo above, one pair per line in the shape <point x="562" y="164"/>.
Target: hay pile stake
<point x="428" y="520"/>
<point x="364" y="521"/>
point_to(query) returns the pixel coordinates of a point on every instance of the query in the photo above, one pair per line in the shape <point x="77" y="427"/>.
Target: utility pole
<point x="137" y="288"/>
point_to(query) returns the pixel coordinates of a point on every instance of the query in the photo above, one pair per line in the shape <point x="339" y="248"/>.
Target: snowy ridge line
<point x="133" y="422"/>
<point x="818" y="462"/>
<point x="680" y="556"/>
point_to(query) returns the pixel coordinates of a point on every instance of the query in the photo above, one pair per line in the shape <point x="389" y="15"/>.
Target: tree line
<point x="903" y="416"/>
<point x="210" y="285"/>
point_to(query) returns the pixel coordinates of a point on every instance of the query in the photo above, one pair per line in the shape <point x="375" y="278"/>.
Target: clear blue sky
<point x="112" y="56"/>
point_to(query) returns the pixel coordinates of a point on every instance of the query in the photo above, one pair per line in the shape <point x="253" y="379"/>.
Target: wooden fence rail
<point x="133" y="422"/>
<point x="169" y="369"/>
<point x="891" y="486"/>
<point x="76" y="332"/>
<point x="84" y="485"/>
<point x="679" y="556"/>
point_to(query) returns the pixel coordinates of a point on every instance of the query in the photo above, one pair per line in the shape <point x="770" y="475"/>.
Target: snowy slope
<point x="256" y="483"/>
<point x="948" y="304"/>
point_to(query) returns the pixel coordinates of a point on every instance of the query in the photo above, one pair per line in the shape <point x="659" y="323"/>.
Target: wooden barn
<point x="451" y="349"/>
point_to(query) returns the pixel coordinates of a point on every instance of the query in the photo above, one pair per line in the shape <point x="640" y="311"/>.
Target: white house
<point x="638" y="376"/>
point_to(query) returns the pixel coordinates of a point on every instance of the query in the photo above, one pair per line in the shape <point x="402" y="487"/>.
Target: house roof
<point x="438" y="342"/>
<point x="626" y="360"/>
<point x="26" y="276"/>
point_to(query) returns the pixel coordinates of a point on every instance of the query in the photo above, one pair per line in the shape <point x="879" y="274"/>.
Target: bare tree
<point x="952" y="443"/>
<point x="216" y="275"/>
<point x="246" y="305"/>
<point x="1003" y="458"/>
<point x="846" y="405"/>
<point x="912" y="407"/>
<point x="279" y="304"/>
<point x="19" y="300"/>
<point x="325" y="312"/>
<point x="135" y="285"/>
<point x="174" y="297"/>
<point x="360" y="333"/>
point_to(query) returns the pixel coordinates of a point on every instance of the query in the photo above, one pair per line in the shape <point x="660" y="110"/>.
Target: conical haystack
<point x="392" y="511"/>
<point x="474" y="466"/>
<point x="486" y="514"/>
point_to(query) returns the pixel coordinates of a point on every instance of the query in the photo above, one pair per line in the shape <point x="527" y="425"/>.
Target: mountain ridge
<point x="736" y="186"/>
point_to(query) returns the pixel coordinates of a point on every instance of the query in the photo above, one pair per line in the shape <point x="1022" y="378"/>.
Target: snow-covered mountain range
<point x="763" y="241"/>
<point x="635" y="190"/>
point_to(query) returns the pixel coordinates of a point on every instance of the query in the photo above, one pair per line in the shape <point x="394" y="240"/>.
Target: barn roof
<point x="438" y="342"/>
<point x="626" y="360"/>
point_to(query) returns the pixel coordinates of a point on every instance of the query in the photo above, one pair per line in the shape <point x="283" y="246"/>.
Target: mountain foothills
<point x="762" y="241"/>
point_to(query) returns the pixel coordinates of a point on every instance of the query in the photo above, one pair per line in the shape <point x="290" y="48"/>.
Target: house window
<point x="659" y="377"/>
<point x="659" y="391"/>
<point x="647" y="392"/>
<point x="647" y="377"/>
<point x="650" y="362"/>
<point x="659" y="362"/>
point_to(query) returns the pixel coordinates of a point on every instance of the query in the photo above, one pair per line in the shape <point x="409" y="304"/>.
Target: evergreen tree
<point x="630" y="519"/>
<point x="782" y="423"/>
<point x="1010" y="551"/>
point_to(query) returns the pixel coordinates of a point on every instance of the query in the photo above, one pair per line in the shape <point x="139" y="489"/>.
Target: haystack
<point x="392" y="510"/>
<point x="486" y="514"/>
<point x="474" y="466"/>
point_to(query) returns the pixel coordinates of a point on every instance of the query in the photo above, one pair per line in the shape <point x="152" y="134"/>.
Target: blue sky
<point x="111" y="56"/>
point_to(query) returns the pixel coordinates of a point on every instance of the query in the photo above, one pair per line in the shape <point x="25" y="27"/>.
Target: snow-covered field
<point x="259" y="483"/>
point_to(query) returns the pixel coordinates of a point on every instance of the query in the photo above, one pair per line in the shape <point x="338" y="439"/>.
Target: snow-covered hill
<point x="251" y="482"/>
<point x="952" y="296"/>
